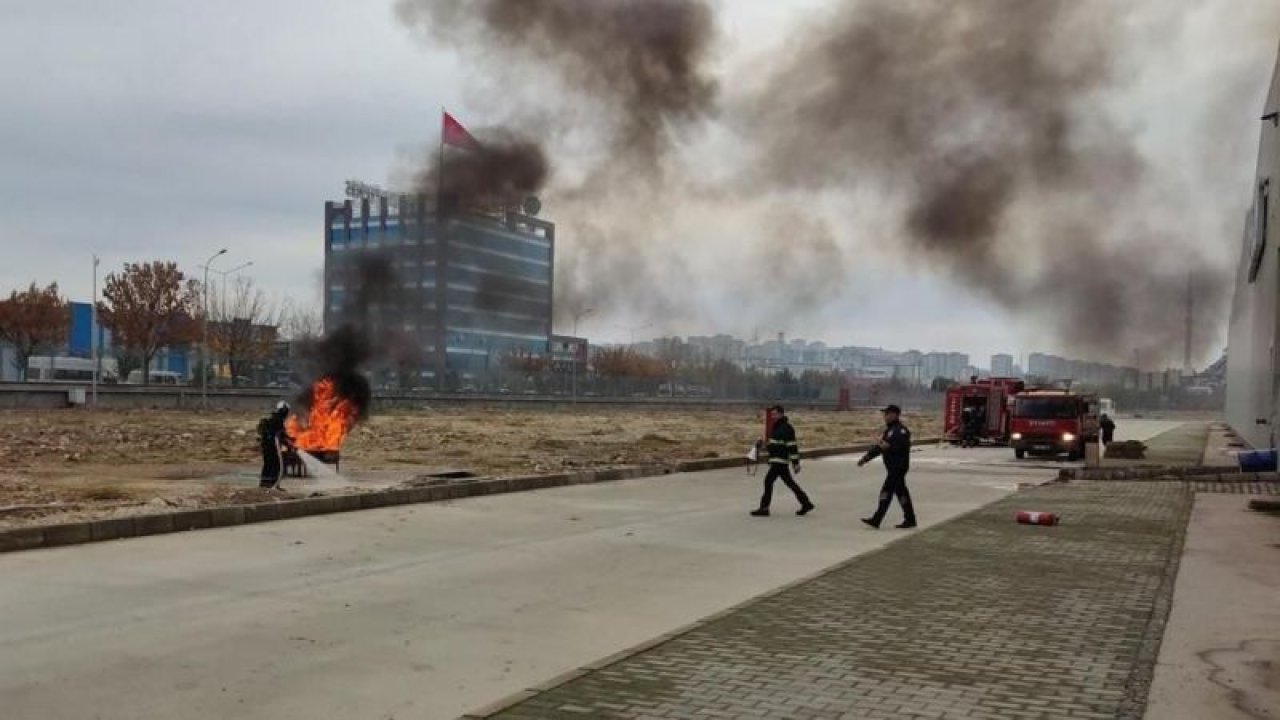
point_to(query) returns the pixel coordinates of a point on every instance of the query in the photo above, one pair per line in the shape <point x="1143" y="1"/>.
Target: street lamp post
<point x="222" y="296"/>
<point x="633" y="329"/>
<point x="222" y="299"/>
<point x="93" y="331"/>
<point x="574" y="372"/>
<point x="204" y="343"/>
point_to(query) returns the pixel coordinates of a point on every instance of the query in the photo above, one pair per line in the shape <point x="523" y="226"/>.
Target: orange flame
<point x="330" y="419"/>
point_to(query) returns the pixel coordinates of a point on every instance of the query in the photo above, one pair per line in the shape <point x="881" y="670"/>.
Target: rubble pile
<point x="1126" y="450"/>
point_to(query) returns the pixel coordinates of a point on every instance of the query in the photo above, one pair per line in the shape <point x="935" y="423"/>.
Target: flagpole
<point x="440" y="175"/>
<point x="93" y="331"/>
<point x="441" y="360"/>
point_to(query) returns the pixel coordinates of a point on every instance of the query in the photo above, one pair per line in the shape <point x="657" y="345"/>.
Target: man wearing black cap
<point x="274" y="439"/>
<point x="784" y="456"/>
<point x="895" y="448"/>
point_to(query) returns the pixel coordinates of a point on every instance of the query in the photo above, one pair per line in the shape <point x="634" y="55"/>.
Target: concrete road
<point x="1132" y="429"/>
<point x="1221" y="652"/>
<point x="425" y="611"/>
<point x="946" y="455"/>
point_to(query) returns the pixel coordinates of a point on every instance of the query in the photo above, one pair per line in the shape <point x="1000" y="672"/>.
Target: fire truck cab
<point x="988" y="399"/>
<point x="1053" y="422"/>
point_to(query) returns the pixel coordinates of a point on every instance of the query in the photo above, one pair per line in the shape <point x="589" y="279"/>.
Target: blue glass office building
<point x="471" y="289"/>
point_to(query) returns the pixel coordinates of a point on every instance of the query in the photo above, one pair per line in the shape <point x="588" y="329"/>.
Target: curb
<point x="90" y="531"/>
<point x="1138" y="686"/>
<point x="1265" y="505"/>
<point x="1212" y="474"/>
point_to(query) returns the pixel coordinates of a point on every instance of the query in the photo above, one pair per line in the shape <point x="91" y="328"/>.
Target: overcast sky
<point x="151" y="129"/>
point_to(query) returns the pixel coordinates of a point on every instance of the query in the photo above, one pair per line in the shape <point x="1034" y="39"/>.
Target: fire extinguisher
<point x="770" y="419"/>
<point x="1029" y="517"/>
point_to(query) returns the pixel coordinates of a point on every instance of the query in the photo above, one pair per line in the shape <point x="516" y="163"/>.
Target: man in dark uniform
<point x="968" y="437"/>
<point x="274" y="438"/>
<point x="895" y="448"/>
<point x="979" y="425"/>
<point x="784" y="456"/>
<point x="1108" y="429"/>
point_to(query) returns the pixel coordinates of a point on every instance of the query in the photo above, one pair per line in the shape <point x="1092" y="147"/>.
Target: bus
<point x="71" y="369"/>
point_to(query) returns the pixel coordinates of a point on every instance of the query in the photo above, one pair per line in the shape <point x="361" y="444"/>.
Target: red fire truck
<point x="989" y="399"/>
<point x="1052" y="422"/>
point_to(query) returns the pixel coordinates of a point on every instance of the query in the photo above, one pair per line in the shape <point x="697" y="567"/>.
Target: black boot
<point x="762" y="512"/>
<point x="875" y="524"/>
<point x="805" y="508"/>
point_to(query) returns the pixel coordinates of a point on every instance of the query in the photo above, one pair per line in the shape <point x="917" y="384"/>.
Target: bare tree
<point x="148" y="306"/>
<point x="244" y="324"/>
<point x="299" y="323"/>
<point x="33" y="320"/>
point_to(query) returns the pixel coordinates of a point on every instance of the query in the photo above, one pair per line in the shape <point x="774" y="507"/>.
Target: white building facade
<point x="1253" y="373"/>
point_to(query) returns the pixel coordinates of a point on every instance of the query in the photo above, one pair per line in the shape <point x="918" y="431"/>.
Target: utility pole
<point x="93" y="331"/>
<point x="1186" y="355"/>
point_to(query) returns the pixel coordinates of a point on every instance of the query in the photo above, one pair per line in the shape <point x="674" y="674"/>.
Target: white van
<point x="71" y="369"/>
<point x="158" y="377"/>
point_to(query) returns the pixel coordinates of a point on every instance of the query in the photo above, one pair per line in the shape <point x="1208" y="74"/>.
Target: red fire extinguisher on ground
<point x="1030" y="517"/>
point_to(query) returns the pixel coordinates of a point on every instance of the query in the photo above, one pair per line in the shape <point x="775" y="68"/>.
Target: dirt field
<point x="72" y="464"/>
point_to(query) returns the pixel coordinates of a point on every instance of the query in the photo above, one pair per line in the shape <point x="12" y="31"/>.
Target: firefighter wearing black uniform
<point x="970" y="422"/>
<point x="974" y="423"/>
<point x="784" y="456"/>
<point x="1108" y="429"/>
<point x="274" y="438"/>
<point x="895" y="448"/>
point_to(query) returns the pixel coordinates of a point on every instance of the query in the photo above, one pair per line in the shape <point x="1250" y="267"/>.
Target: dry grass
<point x="130" y="458"/>
<point x="105" y="493"/>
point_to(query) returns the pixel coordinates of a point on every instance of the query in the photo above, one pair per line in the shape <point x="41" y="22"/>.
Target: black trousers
<point x="776" y="471"/>
<point x="272" y="465"/>
<point x="895" y="485"/>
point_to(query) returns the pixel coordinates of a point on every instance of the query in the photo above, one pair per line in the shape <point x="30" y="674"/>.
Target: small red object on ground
<point x="1027" y="517"/>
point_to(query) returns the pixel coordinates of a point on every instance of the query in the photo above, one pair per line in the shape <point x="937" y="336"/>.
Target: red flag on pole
<point x="452" y="133"/>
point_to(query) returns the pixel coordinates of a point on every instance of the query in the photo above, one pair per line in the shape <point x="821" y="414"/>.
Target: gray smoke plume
<point x="501" y="171"/>
<point x="638" y="64"/>
<point x="986" y="131"/>
<point x="984" y="121"/>
<point x="633" y="74"/>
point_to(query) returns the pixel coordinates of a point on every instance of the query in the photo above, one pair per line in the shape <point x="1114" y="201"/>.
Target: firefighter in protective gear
<point x="784" y="458"/>
<point x="975" y="419"/>
<point x="895" y="448"/>
<point x="968" y="436"/>
<point x="274" y="439"/>
<point x="1108" y="429"/>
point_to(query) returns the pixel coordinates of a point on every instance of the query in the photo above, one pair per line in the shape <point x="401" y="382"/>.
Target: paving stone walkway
<point x="1248" y="487"/>
<point x="975" y="618"/>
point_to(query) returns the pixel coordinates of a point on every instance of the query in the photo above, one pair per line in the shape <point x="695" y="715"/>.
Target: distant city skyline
<point x="940" y="362"/>
<point x="914" y="367"/>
